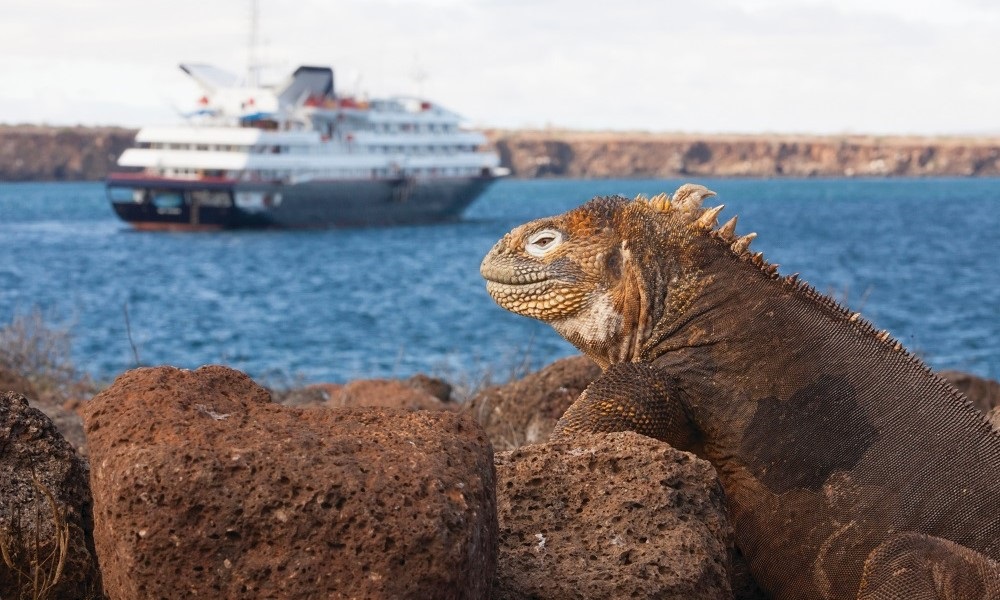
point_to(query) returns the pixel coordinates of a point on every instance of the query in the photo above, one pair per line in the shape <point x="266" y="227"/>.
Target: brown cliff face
<point x="610" y="154"/>
<point x="38" y="153"/>
<point x="30" y="153"/>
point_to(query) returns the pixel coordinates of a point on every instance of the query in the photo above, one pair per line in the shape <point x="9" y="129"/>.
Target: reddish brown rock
<point x="610" y="516"/>
<point x="310" y="396"/>
<point x="417" y="393"/>
<point x="435" y="386"/>
<point x="389" y="393"/>
<point x="204" y="488"/>
<point x="44" y="498"/>
<point x="984" y="393"/>
<point x="525" y="411"/>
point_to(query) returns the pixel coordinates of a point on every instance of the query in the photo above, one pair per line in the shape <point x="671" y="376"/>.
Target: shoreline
<point x="77" y="153"/>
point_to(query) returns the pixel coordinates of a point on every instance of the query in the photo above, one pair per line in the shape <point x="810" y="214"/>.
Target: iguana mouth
<point x="514" y="277"/>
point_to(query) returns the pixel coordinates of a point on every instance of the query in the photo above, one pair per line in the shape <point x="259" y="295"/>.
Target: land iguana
<point x="850" y="469"/>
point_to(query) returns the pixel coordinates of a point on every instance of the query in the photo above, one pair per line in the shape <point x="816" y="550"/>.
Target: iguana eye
<point x="543" y="242"/>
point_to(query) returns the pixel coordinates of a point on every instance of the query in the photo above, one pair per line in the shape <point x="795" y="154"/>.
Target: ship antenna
<point x="418" y="75"/>
<point x="253" y="67"/>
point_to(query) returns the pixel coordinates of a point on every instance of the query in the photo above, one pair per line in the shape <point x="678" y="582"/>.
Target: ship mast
<point x="253" y="66"/>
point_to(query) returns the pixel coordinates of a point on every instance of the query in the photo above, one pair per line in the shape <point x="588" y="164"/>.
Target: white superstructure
<point x="300" y="155"/>
<point x="302" y="132"/>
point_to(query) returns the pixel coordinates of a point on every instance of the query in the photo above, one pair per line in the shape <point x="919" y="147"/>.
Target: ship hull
<point x="194" y="205"/>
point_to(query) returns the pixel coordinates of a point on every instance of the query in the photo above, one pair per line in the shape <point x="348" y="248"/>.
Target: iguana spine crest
<point x="740" y="247"/>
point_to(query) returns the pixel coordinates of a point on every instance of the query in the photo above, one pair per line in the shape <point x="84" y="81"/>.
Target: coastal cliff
<point x="614" y="154"/>
<point x="39" y="153"/>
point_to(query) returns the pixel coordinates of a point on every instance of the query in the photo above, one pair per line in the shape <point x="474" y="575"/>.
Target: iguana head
<point x="606" y="274"/>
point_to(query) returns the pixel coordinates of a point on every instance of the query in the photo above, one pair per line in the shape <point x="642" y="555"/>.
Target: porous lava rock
<point x="435" y="386"/>
<point x="53" y="404"/>
<point x="44" y="500"/>
<point x="610" y="516"/>
<point x="388" y="393"/>
<point x="526" y="410"/>
<point x="205" y="488"/>
<point x="420" y="392"/>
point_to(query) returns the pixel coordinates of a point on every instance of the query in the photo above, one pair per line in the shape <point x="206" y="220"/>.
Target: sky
<point x="920" y="67"/>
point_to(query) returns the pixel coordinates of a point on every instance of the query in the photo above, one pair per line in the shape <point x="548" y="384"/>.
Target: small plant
<point x="467" y="383"/>
<point x="35" y="566"/>
<point x="33" y="348"/>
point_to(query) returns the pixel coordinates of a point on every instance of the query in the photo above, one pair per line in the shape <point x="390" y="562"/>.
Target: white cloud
<point x="890" y="66"/>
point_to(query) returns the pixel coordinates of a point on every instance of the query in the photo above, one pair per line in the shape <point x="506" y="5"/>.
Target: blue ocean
<point x="919" y="257"/>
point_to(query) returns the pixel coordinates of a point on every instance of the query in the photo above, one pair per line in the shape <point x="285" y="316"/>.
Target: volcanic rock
<point x="387" y="393"/>
<point x="205" y="488"/>
<point x="525" y="411"/>
<point x="420" y="392"/>
<point x="439" y="388"/>
<point x="45" y="501"/>
<point x="610" y="516"/>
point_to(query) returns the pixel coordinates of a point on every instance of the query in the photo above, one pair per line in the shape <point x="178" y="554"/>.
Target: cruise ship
<point x="300" y="155"/>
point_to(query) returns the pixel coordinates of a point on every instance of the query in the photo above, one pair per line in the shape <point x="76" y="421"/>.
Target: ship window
<point x="124" y="194"/>
<point x="211" y="198"/>
<point x="167" y="199"/>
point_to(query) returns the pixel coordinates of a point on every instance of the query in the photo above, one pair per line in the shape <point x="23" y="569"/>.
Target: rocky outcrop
<point x="205" y="488"/>
<point x="610" y="516"/>
<point x="526" y="410"/>
<point x="419" y="392"/>
<point x="54" y="405"/>
<point x="29" y="153"/>
<point x="45" y="509"/>
<point x="582" y="154"/>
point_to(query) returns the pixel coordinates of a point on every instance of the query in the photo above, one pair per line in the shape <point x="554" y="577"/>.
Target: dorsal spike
<point x="740" y="246"/>
<point x="758" y="258"/>
<point x="660" y="202"/>
<point x="641" y="198"/>
<point x="728" y="231"/>
<point x="708" y="218"/>
<point x="691" y="195"/>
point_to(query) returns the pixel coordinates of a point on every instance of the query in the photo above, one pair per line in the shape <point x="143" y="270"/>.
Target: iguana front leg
<point x="923" y="567"/>
<point x="630" y="397"/>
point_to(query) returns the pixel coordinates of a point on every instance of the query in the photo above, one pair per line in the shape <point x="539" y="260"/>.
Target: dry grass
<point x="36" y="565"/>
<point x="484" y="374"/>
<point x="41" y="352"/>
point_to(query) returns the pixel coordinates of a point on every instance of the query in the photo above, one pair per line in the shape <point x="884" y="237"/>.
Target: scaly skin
<point x="851" y="470"/>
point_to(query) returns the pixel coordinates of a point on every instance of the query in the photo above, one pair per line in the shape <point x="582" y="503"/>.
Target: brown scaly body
<point x="850" y="469"/>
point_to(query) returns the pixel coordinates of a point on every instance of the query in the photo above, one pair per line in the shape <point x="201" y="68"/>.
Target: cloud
<point x="719" y="65"/>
